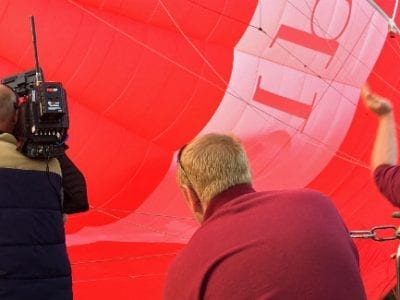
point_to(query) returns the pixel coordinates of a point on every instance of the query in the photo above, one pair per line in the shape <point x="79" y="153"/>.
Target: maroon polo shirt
<point x="387" y="178"/>
<point x="288" y="244"/>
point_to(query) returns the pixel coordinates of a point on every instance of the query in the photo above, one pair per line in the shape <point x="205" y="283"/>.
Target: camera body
<point x="43" y="121"/>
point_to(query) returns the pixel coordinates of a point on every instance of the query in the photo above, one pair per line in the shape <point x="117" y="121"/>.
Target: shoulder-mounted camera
<point x="42" y="112"/>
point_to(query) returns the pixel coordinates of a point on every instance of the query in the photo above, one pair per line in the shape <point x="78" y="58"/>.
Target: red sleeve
<point x="387" y="179"/>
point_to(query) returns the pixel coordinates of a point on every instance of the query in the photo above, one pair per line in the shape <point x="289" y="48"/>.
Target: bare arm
<point x="384" y="150"/>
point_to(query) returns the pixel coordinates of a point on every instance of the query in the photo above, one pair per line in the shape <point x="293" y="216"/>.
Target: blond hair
<point x="212" y="163"/>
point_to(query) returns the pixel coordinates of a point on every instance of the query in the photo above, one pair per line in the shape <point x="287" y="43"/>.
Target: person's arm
<point x="74" y="187"/>
<point x="384" y="154"/>
<point x="384" y="151"/>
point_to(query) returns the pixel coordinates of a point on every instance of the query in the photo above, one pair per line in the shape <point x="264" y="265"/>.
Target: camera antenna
<point x="39" y="77"/>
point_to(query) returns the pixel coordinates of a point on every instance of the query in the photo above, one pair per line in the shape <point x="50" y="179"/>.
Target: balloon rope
<point x="133" y="39"/>
<point x="260" y="25"/>
<point x="396" y="5"/>
<point x="208" y="63"/>
<point x="122" y="258"/>
<point x="236" y="95"/>
<point x="227" y="88"/>
<point x="322" y="30"/>
<point x="395" y="50"/>
<point x="392" y="25"/>
<point x="119" y="277"/>
<point x="126" y="211"/>
<point x="338" y="154"/>
<point x="166" y="234"/>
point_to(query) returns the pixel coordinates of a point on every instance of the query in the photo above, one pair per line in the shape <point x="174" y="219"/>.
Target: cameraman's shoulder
<point x="11" y="158"/>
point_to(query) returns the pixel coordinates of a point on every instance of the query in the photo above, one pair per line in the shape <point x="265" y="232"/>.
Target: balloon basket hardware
<point x="377" y="233"/>
<point x="384" y="233"/>
<point x="393" y="29"/>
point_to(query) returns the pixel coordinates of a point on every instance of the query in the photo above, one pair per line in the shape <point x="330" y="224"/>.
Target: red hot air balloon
<point x="144" y="77"/>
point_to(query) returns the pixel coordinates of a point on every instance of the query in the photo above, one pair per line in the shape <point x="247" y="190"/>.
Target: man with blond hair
<point x="285" y="244"/>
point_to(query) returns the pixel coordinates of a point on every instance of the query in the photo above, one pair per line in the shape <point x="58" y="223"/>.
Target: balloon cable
<point x="226" y="86"/>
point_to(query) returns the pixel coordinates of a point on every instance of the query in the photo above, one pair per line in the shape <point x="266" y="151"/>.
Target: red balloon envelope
<point x="144" y="77"/>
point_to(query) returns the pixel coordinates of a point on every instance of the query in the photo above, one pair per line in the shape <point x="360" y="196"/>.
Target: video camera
<point x="42" y="114"/>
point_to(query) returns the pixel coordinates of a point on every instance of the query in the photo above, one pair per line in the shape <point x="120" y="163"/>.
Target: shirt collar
<point x="227" y="195"/>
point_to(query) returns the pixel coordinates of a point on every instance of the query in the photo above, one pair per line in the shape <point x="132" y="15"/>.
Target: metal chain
<point x="375" y="235"/>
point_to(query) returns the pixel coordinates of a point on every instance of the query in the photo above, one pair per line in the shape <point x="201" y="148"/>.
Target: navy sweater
<point x="33" y="259"/>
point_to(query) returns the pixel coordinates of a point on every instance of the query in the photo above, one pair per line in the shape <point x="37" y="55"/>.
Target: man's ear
<point x="193" y="202"/>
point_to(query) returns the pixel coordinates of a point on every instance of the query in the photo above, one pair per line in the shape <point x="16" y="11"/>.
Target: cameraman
<point x="34" y="263"/>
